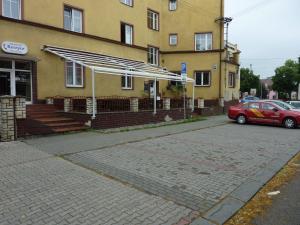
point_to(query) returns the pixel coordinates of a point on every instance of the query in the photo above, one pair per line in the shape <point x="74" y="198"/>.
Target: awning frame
<point x="104" y="64"/>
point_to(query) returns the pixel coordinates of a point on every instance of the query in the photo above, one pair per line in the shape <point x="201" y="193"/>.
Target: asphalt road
<point x="285" y="209"/>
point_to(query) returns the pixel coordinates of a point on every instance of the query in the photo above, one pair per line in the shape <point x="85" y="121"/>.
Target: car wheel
<point x="241" y="119"/>
<point x="289" y="123"/>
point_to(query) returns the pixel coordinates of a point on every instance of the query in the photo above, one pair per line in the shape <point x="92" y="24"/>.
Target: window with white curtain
<point x="127" y="82"/>
<point x="11" y="8"/>
<point x="73" y="19"/>
<point x="74" y="74"/>
<point x="126" y="33"/>
<point x="172" y="5"/>
<point x="202" y="78"/>
<point x="127" y="2"/>
<point x="173" y="39"/>
<point x="203" y="42"/>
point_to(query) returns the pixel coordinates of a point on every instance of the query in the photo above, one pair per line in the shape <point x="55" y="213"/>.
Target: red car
<point x="264" y="113"/>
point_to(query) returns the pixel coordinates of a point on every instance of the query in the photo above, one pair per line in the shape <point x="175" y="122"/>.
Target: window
<point x="172" y="5"/>
<point x="126" y="34"/>
<point x="203" y="42"/>
<point x="153" y="55"/>
<point x="173" y="39"/>
<point x="253" y="105"/>
<point x="73" y="19"/>
<point x="153" y="20"/>
<point x="127" y="81"/>
<point x="74" y="74"/>
<point x="231" y="80"/>
<point x="11" y="8"/>
<point x="267" y="106"/>
<point x="127" y="2"/>
<point x="202" y="78"/>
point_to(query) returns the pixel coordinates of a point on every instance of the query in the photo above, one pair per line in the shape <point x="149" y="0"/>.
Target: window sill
<point x="127" y="89"/>
<point x="157" y="30"/>
<point x="77" y="32"/>
<point x="206" y="50"/>
<point x="202" y="85"/>
<point x="74" y="86"/>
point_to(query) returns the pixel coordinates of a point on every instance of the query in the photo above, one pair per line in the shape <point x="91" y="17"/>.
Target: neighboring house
<point x="268" y="86"/>
<point x="161" y="33"/>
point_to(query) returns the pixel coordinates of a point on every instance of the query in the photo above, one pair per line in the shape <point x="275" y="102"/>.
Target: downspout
<point x="221" y="35"/>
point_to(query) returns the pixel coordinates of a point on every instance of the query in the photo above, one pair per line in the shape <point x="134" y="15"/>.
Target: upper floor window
<point x="153" y="55"/>
<point x="73" y="19"/>
<point x="231" y="80"/>
<point x="11" y="8"/>
<point x="203" y="41"/>
<point x="127" y="2"/>
<point x="126" y="33"/>
<point x="172" y="5"/>
<point x="202" y="78"/>
<point x="173" y="38"/>
<point x="153" y="20"/>
<point x="74" y="74"/>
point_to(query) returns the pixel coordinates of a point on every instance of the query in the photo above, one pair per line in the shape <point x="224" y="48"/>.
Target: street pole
<point x="184" y="106"/>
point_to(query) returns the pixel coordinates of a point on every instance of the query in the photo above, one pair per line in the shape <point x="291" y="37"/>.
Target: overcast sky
<point x="267" y="32"/>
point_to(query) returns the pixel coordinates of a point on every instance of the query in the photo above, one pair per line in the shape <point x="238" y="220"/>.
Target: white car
<point x="296" y="104"/>
<point x="284" y="105"/>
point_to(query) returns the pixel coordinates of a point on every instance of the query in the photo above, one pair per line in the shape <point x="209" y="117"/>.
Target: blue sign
<point x="183" y="68"/>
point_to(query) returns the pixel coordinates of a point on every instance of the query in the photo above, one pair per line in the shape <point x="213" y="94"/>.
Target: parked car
<point x="296" y="104"/>
<point x="262" y="112"/>
<point x="249" y="99"/>
<point x="284" y="105"/>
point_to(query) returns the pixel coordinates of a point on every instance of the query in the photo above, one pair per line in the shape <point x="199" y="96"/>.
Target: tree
<point x="249" y="81"/>
<point x="286" y="79"/>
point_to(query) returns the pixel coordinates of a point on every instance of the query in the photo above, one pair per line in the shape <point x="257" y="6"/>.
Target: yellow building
<point x="164" y="33"/>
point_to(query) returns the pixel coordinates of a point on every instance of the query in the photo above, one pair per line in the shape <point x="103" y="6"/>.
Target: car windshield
<point x="284" y="105"/>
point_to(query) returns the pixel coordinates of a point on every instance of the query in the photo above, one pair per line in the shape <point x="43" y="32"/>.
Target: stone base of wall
<point x="210" y="111"/>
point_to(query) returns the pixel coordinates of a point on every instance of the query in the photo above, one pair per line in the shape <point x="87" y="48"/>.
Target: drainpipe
<point x="221" y="37"/>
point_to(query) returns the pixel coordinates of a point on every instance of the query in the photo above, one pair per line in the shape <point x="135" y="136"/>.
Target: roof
<point x="112" y="65"/>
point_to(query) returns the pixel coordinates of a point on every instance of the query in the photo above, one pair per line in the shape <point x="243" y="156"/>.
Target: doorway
<point x="16" y="78"/>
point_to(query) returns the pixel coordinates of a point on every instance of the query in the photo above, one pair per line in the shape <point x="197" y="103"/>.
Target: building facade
<point x="164" y="33"/>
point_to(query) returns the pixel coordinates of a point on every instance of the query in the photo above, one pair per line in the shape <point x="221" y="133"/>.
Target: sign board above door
<point x="14" y="48"/>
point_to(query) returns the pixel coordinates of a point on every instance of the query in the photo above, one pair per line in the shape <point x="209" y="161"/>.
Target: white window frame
<point x="127" y="87"/>
<point x="173" y="5"/>
<point x="201" y="73"/>
<point x="128" y="36"/>
<point x="127" y="2"/>
<point x="155" y="53"/>
<point x="74" y="75"/>
<point x="154" y="16"/>
<point x="73" y="10"/>
<point x="172" y="41"/>
<point x="231" y="79"/>
<point x="208" y="45"/>
<point x="10" y="16"/>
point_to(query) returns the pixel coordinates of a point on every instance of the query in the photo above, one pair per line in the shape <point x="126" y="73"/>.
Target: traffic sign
<point x="183" y="72"/>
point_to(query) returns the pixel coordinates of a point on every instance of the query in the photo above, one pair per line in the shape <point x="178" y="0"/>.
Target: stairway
<point x="44" y="119"/>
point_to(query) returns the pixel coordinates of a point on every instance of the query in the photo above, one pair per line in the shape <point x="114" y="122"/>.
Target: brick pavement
<point x="38" y="189"/>
<point x="196" y="169"/>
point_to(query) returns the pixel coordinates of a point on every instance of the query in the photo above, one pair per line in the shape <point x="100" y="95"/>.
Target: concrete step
<point x="70" y="129"/>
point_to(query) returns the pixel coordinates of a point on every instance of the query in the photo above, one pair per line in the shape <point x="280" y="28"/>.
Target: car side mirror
<point x="275" y="109"/>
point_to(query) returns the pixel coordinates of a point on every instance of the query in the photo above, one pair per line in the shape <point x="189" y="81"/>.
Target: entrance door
<point x="5" y="83"/>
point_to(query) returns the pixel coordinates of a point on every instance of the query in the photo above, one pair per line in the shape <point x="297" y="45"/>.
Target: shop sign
<point x="14" y="48"/>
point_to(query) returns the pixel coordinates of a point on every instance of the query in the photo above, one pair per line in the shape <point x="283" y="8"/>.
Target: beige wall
<point x="103" y="18"/>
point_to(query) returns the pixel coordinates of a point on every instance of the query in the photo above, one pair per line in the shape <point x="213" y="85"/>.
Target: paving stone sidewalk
<point x="78" y="142"/>
<point x="39" y="189"/>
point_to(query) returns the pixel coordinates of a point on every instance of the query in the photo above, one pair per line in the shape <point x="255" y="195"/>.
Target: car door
<point x="271" y="113"/>
<point x="253" y="112"/>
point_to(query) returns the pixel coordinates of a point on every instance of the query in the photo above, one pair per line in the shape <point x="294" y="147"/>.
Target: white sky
<point x="267" y="34"/>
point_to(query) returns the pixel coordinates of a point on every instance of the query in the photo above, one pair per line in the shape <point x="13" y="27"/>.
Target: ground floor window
<point x="203" y="78"/>
<point x="74" y="74"/>
<point x="127" y="82"/>
<point x="153" y="55"/>
<point x="231" y="80"/>
<point x="16" y="78"/>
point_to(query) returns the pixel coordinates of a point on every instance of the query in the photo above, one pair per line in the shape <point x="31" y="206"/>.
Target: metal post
<point x="155" y="95"/>
<point x="193" y="103"/>
<point x="184" y="103"/>
<point x="93" y="90"/>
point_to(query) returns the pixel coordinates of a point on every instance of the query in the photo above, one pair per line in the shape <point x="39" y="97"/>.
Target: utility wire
<point x="252" y="8"/>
